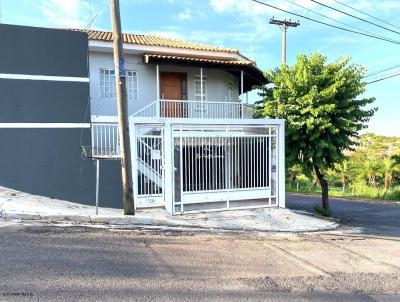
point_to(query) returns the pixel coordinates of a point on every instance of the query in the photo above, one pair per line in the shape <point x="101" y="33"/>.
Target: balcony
<point x="196" y="109"/>
<point x="105" y="137"/>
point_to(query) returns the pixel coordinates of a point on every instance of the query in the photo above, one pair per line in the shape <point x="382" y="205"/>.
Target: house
<point x="195" y="143"/>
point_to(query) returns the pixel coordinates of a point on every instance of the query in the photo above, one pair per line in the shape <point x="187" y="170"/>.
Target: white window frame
<point x="128" y="89"/>
<point x="197" y="96"/>
<point x="102" y="85"/>
<point x="130" y="96"/>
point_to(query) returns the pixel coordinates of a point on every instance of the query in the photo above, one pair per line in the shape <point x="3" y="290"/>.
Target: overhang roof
<point x="254" y="76"/>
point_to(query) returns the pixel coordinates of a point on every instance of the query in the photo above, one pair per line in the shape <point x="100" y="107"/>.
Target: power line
<point x="353" y="16"/>
<point x="327" y="24"/>
<point x="332" y="19"/>
<point x="373" y="17"/>
<point x="381" y="79"/>
<point x="380" y="71"/>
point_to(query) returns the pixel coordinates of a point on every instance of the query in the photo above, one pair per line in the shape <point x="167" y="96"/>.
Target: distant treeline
<point x="372" y="170"/>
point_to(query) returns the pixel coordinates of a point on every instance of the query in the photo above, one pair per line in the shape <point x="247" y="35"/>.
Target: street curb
<point x="346" y="198"/>
<point x="134" y="222"/>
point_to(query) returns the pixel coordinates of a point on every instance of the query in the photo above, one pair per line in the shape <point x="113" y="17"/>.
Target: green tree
<point x="323" y="113"/>
<point x="389" y="168"/>
<point x="294" y="172"/>
<point x="370" y="170"/>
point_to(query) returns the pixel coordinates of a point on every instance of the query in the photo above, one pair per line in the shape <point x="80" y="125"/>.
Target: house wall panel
<point x="42" y="51"/>
<point x="217" y="82"/>
<point x="48" y="162"/>
<point x="26" y="101"/>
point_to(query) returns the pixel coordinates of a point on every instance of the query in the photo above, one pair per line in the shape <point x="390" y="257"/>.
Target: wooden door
<point x="171" y="89"/>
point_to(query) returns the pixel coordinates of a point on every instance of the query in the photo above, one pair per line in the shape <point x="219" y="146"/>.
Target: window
<point x="107" y="84"/>
<point x="197" y="88"/>
<point x="131" y="85"/>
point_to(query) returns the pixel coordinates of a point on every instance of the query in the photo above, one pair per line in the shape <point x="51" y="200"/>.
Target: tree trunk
<point x="297" y="186"/>
<point x="324" y="188"/>
<point x="386" y="184"/>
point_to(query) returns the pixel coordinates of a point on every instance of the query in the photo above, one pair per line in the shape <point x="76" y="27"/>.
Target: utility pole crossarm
<point x="284" y="25"/>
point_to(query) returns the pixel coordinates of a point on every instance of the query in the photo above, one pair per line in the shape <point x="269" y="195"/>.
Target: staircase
<point x="149" y="164"/>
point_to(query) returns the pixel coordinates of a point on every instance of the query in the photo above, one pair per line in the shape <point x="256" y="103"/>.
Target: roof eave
<point x="254" y="76"/>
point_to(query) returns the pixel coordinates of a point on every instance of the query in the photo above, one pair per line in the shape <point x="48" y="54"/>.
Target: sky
<point x="243" y="24"/>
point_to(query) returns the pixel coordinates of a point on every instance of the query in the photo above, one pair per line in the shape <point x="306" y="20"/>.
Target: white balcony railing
<point x="105" y="138"/>
<point x="196" y="109"/>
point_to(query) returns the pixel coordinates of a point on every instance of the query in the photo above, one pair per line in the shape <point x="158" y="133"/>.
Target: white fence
<point x="196" y="109"/>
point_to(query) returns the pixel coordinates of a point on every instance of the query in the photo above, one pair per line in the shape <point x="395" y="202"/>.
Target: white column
<point x="201" y="91"/>
<point x="132" y="135"/>
<point x="281" y="165"/>
<point x="169" y="186"/>
<point x="158" y="104"/>
<point x="158" y="81"/>
<point x="241" y="82"/>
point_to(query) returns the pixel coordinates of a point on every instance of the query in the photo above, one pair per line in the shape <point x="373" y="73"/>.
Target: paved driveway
<point x="372" y="218"/>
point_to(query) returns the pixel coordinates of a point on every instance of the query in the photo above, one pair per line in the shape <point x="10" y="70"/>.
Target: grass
<point x="321" y="211"/>
<point x="358" y="190"/>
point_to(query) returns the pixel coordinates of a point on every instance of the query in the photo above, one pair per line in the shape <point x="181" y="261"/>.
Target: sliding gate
<point x="224" y="167"/>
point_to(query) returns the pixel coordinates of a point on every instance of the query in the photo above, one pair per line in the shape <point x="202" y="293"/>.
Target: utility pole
<point x="284" y="25"/>
<point x="122" y="104"/>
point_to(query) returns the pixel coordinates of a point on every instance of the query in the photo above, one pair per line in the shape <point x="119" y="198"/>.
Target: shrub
<point x="321" y="211"/>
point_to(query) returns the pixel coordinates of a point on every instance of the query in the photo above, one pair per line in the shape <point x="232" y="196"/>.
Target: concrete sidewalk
<point x="23" y="206"/>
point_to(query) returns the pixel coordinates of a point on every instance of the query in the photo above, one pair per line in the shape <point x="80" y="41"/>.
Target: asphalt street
<point x="370" y="218"/>
<point x="48" y="263"/>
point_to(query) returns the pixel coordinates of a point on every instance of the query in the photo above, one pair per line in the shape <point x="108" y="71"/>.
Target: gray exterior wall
<point x="217" y="82"/>
<point x="48" y="161"/>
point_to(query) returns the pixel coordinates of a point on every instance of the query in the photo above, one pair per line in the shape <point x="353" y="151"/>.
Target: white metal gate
<point x="225" y="167"/>
<point x="149" y="165"/>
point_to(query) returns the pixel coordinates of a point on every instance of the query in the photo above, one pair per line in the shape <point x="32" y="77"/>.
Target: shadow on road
<point x="370" y="218"/>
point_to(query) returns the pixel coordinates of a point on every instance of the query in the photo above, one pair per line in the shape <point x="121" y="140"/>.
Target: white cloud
<point x="185" y="15"/>
<point x="66" y="13"/>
